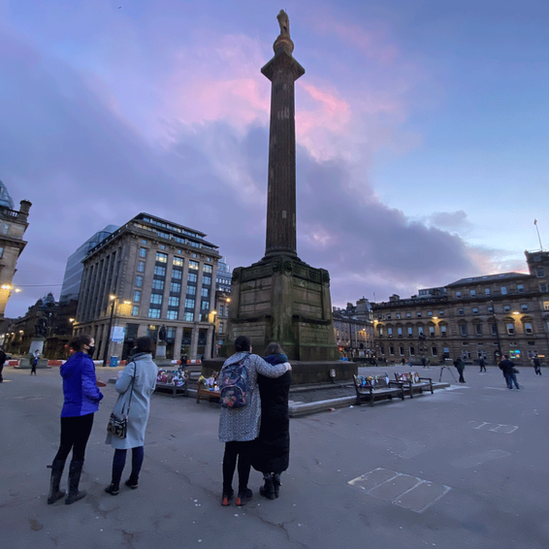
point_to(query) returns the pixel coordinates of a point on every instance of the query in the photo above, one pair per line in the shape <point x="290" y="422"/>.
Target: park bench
<point x="175" y="387"/>
<point x="207" y="388"/>
<point x="413" y="383"/>
<point x="372" y="387"/>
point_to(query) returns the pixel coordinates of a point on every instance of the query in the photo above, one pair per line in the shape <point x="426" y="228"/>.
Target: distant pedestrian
<point x="509" y="372"/>
<point x="34" y="361"/>
<point x="482" y="365"/>
<point x="424" y="362"/>
<point x="460" y="367"/>
<point x="3" y="358"/>
<point x="537" y="365"/>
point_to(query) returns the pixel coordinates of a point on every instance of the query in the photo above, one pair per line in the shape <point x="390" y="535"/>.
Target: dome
<point x="6" y="200"/>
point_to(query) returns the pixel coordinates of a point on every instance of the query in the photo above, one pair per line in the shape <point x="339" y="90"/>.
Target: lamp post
<point x="213" y="316"/>
<point x="108" y="339"/>
<point x="496" y="329"/>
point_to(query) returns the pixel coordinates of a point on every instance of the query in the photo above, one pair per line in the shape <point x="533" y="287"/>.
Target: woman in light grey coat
<point x="135" y="385"/>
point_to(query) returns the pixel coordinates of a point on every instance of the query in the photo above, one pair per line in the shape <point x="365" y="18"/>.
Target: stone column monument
<point x="281" y="298"/>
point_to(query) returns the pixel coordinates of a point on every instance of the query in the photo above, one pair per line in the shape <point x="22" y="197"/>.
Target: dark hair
<point x="506" y="357"/>
<point x="242" y="343"/>
<point x="274" y="349"/>
<point x="77" y="344"/>
<point x="145" y="345"/>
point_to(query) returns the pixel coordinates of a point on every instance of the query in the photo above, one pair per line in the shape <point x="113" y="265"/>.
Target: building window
<point x="142" y="252"/>
<point x="178" y="262"/>
<point x="388" y="317"/>
<point x="159" y="270"/>
<point x="206" y="280"/>
<point x="175" y="287"/>
<point x="528" y="328"/>
<point x="463" y="329"/>
<point x="154" y="313"/>
<point x="171" y="315"/>
<point x="399" y="331"/>
<point x="458" y="295"/>
<point x="410" y="332"/>
<point x="408" y="315"/>
<point x="420" y="330"/>
<point x="221" y="327"/>
<point x="193" y="265"/>
<point x="135" y="311"/>
<point x="144" y="242"/>
<point x="221" y="310"/>
<point x="419" y="315"/>
<point x="192" y="277"/>
<point x="137" y="296"/>
<point x="524" y="307"/>
<point x="173" y="301"/>
<point x="510" y="328"/>
<point x="546" y="305"/>
<point x="141" y="266"/>
<point x="161" y="258"/>
<point x="434" y="351"/>
<point x="494" y="329"/>
<point x="207" y="268"/>
<point x="443" y="331"/>
<point x="188" y="317"/>
<point x="390" y="332"/>
<point x="486" y="291"/>
<point x="430" y="314"/>
<point x="473" y="293"/>
<point x="177" y="274"/>
<point x="205" y="305"/>
<point x="460" y="312"/>
<point x="158" y="284"/>
<point x="504" y="290"/>
<point x="191" y="290"/>
<point x="401" y="351"/>
<point x="432" y="331"/>
<point x="156" y="299"/>
<point x="189" y="303"/>
<point x="139" y="281"/>
<point x="520" y="288"/>
<point x="205" y="292"/>
<point x="491" y="310"/>
<point x="412" y="351"/>
<point x="543" y="288"/>
<point x="540" y="273"/>
<point x="441" y="313"/>
<point x="391" y="350"/>
<point x="398" y="316"/>
<point x="506" y="308"/>
<point x="475" y="310"/>
<point x="478" y="329"/>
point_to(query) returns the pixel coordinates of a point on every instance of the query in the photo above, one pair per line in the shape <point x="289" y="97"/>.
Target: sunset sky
<point x="422" y="131"/>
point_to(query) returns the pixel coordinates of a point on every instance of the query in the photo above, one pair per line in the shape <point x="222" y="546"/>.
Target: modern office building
<point x="478" y="317"/>
<point x="150" y="277"/>
<point x="74" y="267"/>
<point x="13" y="225"/>
<point x="224" y="275"/>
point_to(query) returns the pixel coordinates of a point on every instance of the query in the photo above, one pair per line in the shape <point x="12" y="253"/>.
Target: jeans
<point x="511" y="378"/>
<point x="119" y="461"/>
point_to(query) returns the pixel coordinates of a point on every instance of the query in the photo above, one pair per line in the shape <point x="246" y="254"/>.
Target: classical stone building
<point x="13" y="225"/>
<point x="477" y="317"/>
<point x="354" y="331"/>
<point x="150" y="277"/>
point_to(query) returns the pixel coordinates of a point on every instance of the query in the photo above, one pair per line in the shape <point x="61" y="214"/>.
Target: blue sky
<point x="421" y="130"/>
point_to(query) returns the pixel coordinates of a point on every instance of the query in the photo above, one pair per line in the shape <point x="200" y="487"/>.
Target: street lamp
<point x="496" y="329"/>
<point x="213" y="315"/>
<point x="107" y="342"/>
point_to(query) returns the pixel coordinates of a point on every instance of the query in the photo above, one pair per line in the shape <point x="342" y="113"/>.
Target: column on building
<point x="194" y="340"/>
<point x="209" y="337"/>
<point x="177" y="343"/>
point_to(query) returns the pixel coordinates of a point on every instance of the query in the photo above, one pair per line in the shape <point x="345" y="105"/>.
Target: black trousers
<point x="242" y="451"/>
<point x="75" y="432"/>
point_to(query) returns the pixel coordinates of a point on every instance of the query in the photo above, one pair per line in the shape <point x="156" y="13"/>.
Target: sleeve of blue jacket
<point x="89" y="381"/>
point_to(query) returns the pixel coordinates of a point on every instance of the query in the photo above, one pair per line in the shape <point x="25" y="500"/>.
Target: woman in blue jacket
<point x="81" y="401"/>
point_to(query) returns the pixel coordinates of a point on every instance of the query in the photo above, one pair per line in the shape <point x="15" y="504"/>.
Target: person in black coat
<point x="272" y="448"/>
<point x="509" y="372"/>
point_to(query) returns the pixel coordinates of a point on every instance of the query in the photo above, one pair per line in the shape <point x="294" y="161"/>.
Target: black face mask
<point x="91" y="350"/>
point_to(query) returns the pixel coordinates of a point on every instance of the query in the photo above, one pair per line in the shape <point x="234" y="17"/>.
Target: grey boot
<point x="75" y="470"/>
<point x="267" y="490"/>
<point x="56" y="473"/>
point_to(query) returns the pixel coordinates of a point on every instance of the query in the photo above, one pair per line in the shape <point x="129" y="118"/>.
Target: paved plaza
<point x="463" y="468"/>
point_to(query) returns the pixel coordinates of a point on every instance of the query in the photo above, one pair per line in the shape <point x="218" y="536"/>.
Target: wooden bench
<point x="372" y="387"/>
<point x="205" y="392"/>
<point x="412" y="382"/>
<point x="173" y="389"/>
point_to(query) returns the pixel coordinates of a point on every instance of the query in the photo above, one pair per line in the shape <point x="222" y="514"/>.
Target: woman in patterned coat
<point x="239" y="427"/>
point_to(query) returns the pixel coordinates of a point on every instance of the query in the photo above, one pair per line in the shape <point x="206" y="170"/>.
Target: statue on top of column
<point x="284" y="23"/>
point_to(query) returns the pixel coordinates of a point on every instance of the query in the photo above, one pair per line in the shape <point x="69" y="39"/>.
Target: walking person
<point x="81" y="401"/>
<point x="3" y="357"/>
<point x="272" y="448"/>
<point x="482" y="364"/>
<point x="34" y="361"/>
<point x="239" y="426"/>
<point x="135" y="385"/>
<point x="537" y="365"/>
<point x="509" y="372"/>
<point x="460" y="367"/>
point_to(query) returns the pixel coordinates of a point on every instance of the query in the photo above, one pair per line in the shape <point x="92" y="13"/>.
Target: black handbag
<point x="118" y="426"/>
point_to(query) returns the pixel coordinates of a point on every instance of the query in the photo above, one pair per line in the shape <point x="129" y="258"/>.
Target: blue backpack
<point x="234" y="385"/>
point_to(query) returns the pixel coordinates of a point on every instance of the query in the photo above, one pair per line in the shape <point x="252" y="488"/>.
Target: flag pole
<point x="539" y="237"/>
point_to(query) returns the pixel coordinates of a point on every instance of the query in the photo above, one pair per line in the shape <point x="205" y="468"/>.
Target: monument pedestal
<point x="283" y="299"/>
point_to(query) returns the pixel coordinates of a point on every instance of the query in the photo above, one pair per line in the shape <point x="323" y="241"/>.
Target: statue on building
<point x="162" y="333"/>
<point x="284" y="23"/>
